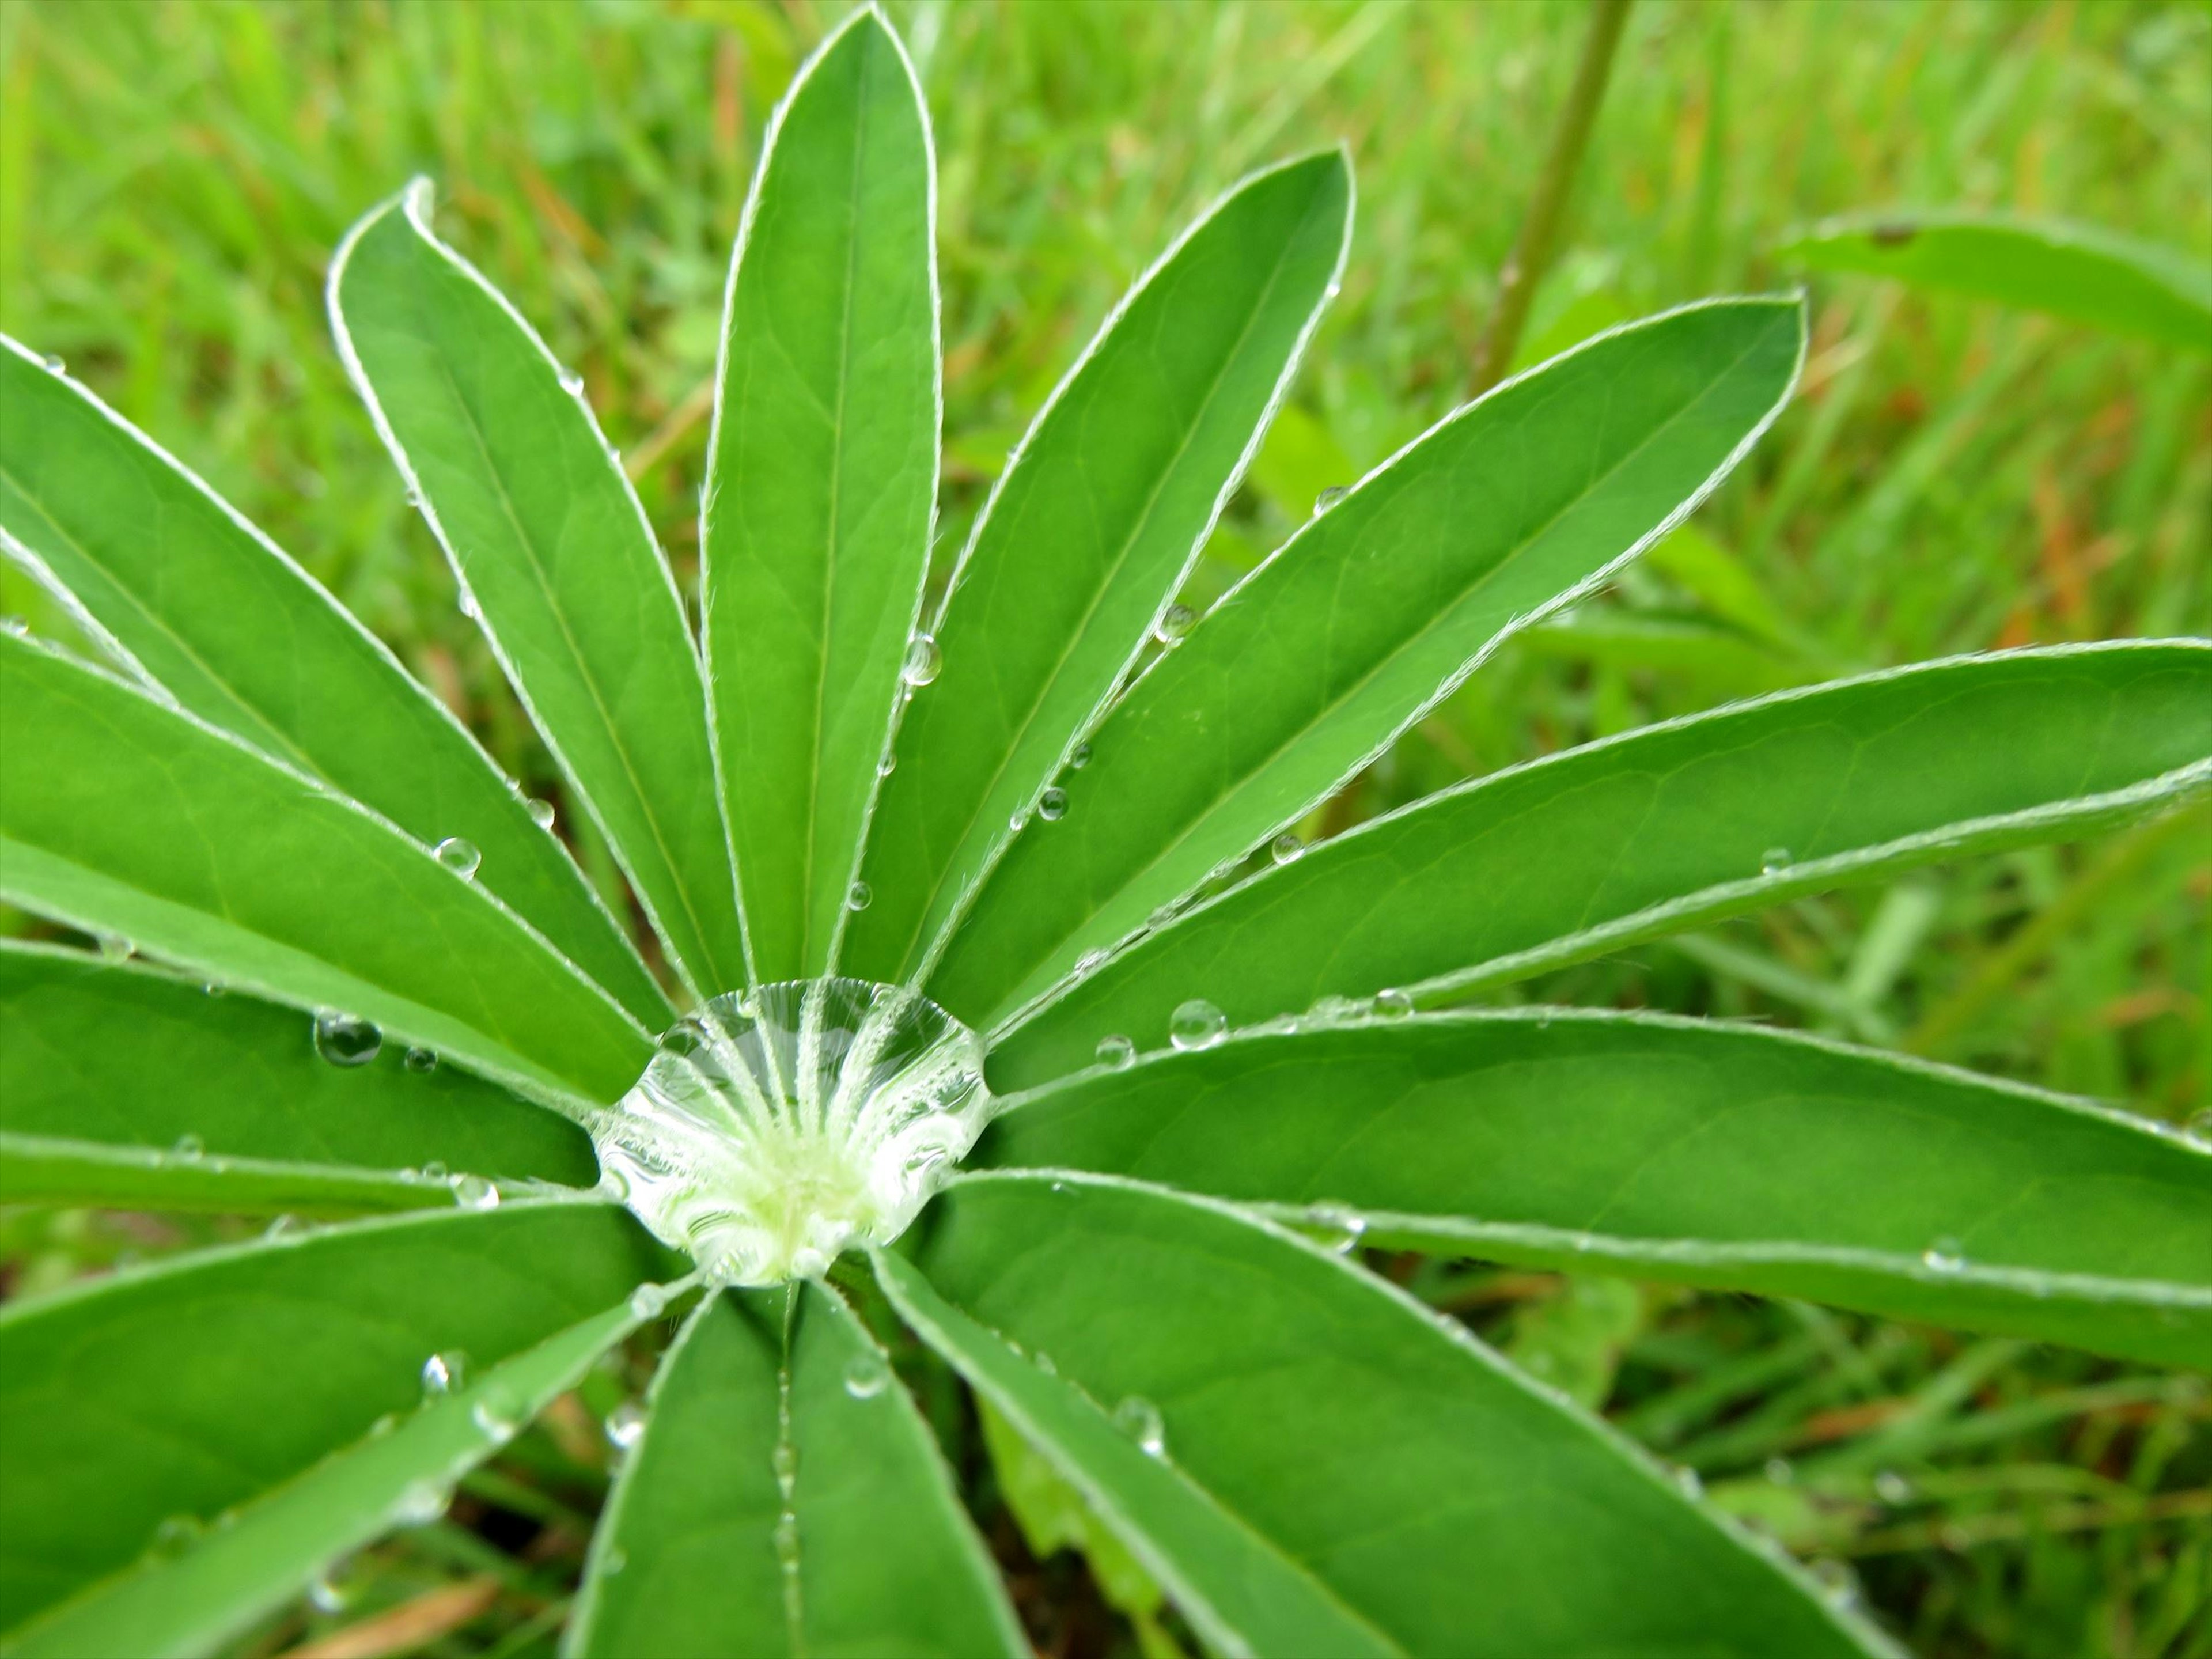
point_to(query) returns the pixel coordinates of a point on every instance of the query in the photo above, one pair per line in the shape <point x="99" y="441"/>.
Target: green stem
<point x="1532" y="249"/>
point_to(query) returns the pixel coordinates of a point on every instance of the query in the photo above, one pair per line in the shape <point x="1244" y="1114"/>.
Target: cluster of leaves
<point x="1147" y="1288"/>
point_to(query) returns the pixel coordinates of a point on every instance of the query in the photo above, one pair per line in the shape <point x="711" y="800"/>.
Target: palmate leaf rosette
<point x="957" y="1021"/>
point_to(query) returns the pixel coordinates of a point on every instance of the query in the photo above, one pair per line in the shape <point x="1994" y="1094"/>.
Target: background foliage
<point x="175" y="175"/>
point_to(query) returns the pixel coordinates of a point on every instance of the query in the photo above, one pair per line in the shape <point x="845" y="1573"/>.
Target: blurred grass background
<point x="174" y="174"/>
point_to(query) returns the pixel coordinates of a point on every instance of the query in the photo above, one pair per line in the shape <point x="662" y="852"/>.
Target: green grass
<point x="173" y="177"/>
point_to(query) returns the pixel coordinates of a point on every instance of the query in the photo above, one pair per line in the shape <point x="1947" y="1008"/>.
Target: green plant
<point x="1203" y="1107"/>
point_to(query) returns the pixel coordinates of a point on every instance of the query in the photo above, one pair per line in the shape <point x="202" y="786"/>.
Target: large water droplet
<point x="775" y="1129"/>
<point x="1329" y="498"/>
<point x="541" y="812"/>
<point x="473" y="1192"/>
<point x="1052" y="804"/>
<point x="924" y="661"/>
<point x="1139" y="1419"/>
<point x="1116" y="1052"/>
<point x="442" y="1373"/>
<point x="1774" y="860"/>
<point x="625" y="1425"/>
<point x="1943" y="1255"/>
<point x="866" y="1376"/>
<point x="860" y="895"/>
<point x="1197" y="1024"/>
<point x="345" y="1039"/>
<point x="1286" y="849"/>
<point x="459" y="856"/>
<point x="1336" y="1227"/>
<point x="1176" y="621"/>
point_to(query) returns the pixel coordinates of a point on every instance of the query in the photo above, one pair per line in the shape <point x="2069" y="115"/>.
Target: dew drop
<point x="436" y="1169"/>
<point x="541" y="812"/>
<point x="344" y="1040"/>
<point x="421" y="1059"/>
<point x="459" y="856"/>
<point x="325" y="1596"/>
<point x="442" y="1373"/>
<point x="924" y="661"/>
<point x="1173" y="623"/>
<point x="54" y="365"/>
<point x="1139" y="1419"/>
<point x="625" y="1425"/>
<point x="866" y="1376"/>
<point x="1078" y="757"/>
<point x="1116" y="1052"/>
<point x="647" y="1302"/>
<point x="887" y="765"/>
<point x="1337" y="1227"/>
<point x="14" y="628"/>
<point x="1393" y="1004"/>
<point x="1690" y="1482"/>
<point x="1329" y="498"/>
<point x="1286" y="849"/>
<point x="860" y="895"/>
<point x="215" y="987"/>
<point x="1197" y="1024"/>
<point x="572" y="382"/>
<point x="613" y="1561"/>
<point x="419" y="1503"/>
<point x="1774" y="860"/>
<point x="1779" y="1472"/>
<point x="787" y="1540"/>
<point x="1052" y="804"/>
<point x="1944" y="1255"/>
<point x="473" y="1192"/>
<point x="178" y="1533"/>
<point x="113" y="947"/>
<point x="785" y="1461"/>
<point x="189" y="1149"/>
<point x="1018" y="822"/>
<point x="498" y="1412"/>
<point x="1838" y="1583"/>
<point x="1892" y="1488"/>
<point x="468" y="604"/>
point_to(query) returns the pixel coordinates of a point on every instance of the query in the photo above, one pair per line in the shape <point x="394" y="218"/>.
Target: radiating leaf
<point x="1396" y="1471"/>
<point x="1616" y="842"/>
<point x="121" y="816"/>
<point x="124" y="1085"/>
<point x="1308" y="669"/>
<point x="552" y="550"/>
<point x="1723" y="1156"/>
<point x="186" y="1388"/>
<point x="214" y="613"/>
<point x="1093" y="526"/>
<point x="822" y="482"/>
<point x="2081" y="272"/>
<point x="870" y="1552"/>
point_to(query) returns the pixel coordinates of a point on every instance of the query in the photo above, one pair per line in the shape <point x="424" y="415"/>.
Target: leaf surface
<point x="124" y="1085"/>
<point x="1730" y="1157"/>
<point x="552" y="550"/>
<point x="121" y="816"/>
<point x="2079" y="272"/>
<point x="187" y="1389"/>
<point x="1593" y="849"/>
<point x="1393" y="1467"/>
<point x="822" y="482"/>
<point x="216" y="615"/>
<point x="1381" y="604"/>
<point x="691" y="1557"/>
<point x="1094" y="525"/>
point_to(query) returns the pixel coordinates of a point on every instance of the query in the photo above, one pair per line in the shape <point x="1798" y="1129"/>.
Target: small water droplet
<point x="1018" y="822"/>
<point x="421" y="1059"/>
<point x="859" y="896"/>
<point x="459" y="856"/>
<point x="1892" y="1488"/>
<point x="189" y="1149"/>
<point x="1078" y="757"/>
<point x="572" y="382"/>
<point x="383" y="1425"/>
<point x="468" y="604"/>
<point x="1943" y="1255"/>
<point x="1052" y="804"/>
<point x="1838" y="1584"/>
<point x="787" y="1540"/>
<point x="1287" y="848"/>
<point x="924" y="661"/>
<point x="14" y="628"/>
<point x="866" y="1376"/>
<point x="887" y="765"/>
<point x="113" y="947"/>
<point x="442" y="1373"/>
<point x="613" y="1561"/>
<point x="178" y="1533"/>
<point x="343" y="1040"/>
<point x="498" y="1412"/>
<point x="473" y="1192"/>
<point x="541" y="812"/>
<point x="1774" y="860"/>
<point x="419" y="1503"/>
<point x="325" y="1596"/>
<point x="1393" y="1004"/>
<point x="54" y="365"/>
<point x="1330" y="1011"/>
<point x="1337" y="1227"/>
<point x="1329" y="498"/>
<point x="1176" y="621"/>
<point x="625" y="1425"/>
<point x="784" y="1460"/>
<point x="1045" y="1362"/>
<point x="1197" y="1024"/>
<point x="1691" y="1483"/>
<point x="647" y="1302"/>
<point x="1115" y="1052"/>
<point x="215" y="987"/>
<point x="1779" y="1471"/>
<point x="1139" y="1419"/>
<point x="436" y="1169"/>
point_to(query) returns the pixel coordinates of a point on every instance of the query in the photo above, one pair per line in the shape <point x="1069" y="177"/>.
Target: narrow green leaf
<point x="1502" y="512"/>
<point x="215" y="1588"/>
<point x="121" y="816"/>
<point x="125" y="1085"/>
<point x="2079" y="272"/>
<point x="1723" y="1156"/>
<point x="1338" y="1433"/>
<point x="187" y="1389"/>
<point x="870" y="1552"/>
<point x="1092" y="527"/>
<point x="1596" y="848"/>
<point x="821" y="481"/>
<point x="216" y="614"/>
<point x="551" y="548"/>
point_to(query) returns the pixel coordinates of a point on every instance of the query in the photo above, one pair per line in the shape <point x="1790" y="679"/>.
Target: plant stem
<point x="1532" y="248"/>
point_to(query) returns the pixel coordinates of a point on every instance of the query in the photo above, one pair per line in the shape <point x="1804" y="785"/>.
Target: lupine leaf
<point x="1094" y="523"/>
<point x="882" y="1557"/>
<point x="184" y="1390"/>
<point x="1723" y="1156"/>
<point x="551" y="546"/>
<point x="1589" y="850"/>
<point x="822" y="482"/>
<point x="214" y="613"/>
<point x="1402" y="1475"/>
<point x="1308" y="669"/>
<point x="2079" y="272"/>
<point x="119" y="815"/>
<point x="108" y="1069"/>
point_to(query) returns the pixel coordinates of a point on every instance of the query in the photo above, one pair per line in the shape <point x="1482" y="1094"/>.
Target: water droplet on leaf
<point x="866" y="1376"/>
<point x="1944" y="1255"/>
<point x="442" y="1373"/>
<point x="54" y="365"/>
<point x="1139" y="1419"/>
<point x="1115" y="1052"/>
<point x="419" y="1503"/>
<point x="189" y="1149"/>
<point x="1692" y="1484"/>
<point x="541" y="812"/>
<point x="1329" y="498"/>
<point x="1337" y="1227"/>
<point x="113" y="947"/>
<point x="1078" y="757"/>
<point x="1197" y="1024"/>
<point x="344" y="1040"/>
<point x="1286" y="849"/>
<point x="1052" y="804"/>
<point x="1393" y="1004"/>
<point x="459" y="856"/>
<point x="572" y="382"/>
<point x="1774" y="860"/>
<point x="1176" y="621"/>
<point x="859" y="896"/>
<point x="647" y="1302"/>
<point x="625" y="1425"/>
<point x="924" y="661"/>
<point x="473" y="1192"/>
<point x="420" y="1060"/>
